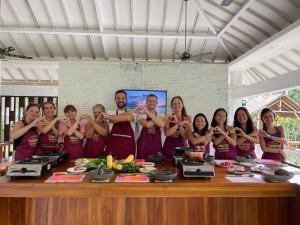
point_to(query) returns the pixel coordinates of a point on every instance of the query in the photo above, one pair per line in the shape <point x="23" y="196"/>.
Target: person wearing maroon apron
<point x="25" y="133"/>
<point x="50" y="133"/>
<point x="224" y="139"/>
<point x="200" y="138"/>
<point x="149" y="141"/>
<point x="121" y="139"/>
<point x="271" y="138"/>
<point x="246" y="132"/>
<point x="96" y="133"/>
<point x="176" y="128"/>
<point x="73" y="133"/>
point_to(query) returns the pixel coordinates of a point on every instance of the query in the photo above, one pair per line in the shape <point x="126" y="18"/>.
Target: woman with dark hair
<point x="96" y="133"/>
<point x="271" y="137"/>
<point x="25" y="133"/>
<point x="176" y="127"/>
<point x="200" y="138"/>
<point x="73" y="133"/>
<point x="224" y="139"/>
<point x="50" y="131"/>
<point x="246" y="132"/>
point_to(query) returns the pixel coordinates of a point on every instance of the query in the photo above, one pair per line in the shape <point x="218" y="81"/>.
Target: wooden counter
<point x="185" y="201"/>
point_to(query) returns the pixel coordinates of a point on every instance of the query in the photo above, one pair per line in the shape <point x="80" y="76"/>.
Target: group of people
<point x="115" y="132"/>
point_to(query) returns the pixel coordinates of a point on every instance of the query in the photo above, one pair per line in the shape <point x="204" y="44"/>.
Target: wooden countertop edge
<point x="90" y="190"/>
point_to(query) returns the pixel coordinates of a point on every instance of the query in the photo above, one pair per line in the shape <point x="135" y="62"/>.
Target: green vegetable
<point x="95" y="163"/>
<point x="129" y="167"/>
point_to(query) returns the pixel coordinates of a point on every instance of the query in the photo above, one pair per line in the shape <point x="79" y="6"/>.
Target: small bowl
<point x="106" y="174"/>
<point x="194" y="155"/>
<point x="269" y="175"/>
<point x="157" y="158"/>
<point x="163" y="175"/>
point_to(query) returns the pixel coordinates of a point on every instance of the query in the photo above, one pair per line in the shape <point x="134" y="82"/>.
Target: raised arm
<point x="155" y="121"/>
<point x="228" y="135"/>
<point x="126" y="116"/>
<point x="98" y="125"/>
<point x="169" y="131"/>
<point x="242" y="137"/>
<point x="73" y="129"/>
<point x="19" y="129"/>
<point x="51" y="126"/>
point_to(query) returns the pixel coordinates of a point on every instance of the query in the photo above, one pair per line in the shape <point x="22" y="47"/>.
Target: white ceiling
<point x="144" y="30"/>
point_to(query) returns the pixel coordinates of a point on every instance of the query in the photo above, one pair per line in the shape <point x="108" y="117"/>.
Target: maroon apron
<point x="247" y="148"/>
<point x="74" y="146"/>
<point x="200" y="148"/>
<point x="273" y="144"/>
<point x="224" y="150"/>
<point x="149" y="142"/>
<point x="48" y="138"/>
<point x="27" y="144"/>
<point x="95" y="146"/>
<point x="121" y="140"/>
<point x="173" y="141"/>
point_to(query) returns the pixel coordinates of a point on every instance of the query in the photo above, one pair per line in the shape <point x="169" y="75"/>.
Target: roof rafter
<point x="98" y="7"/>
<point x="275" y="45"/>
<point x="200" y="8"/>
<point x="107" y="33"/>
<point x="68" y="19"/>
<point x="236" y="17"/>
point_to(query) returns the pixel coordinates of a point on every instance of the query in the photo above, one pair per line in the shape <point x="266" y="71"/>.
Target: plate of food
<point x="147" y="169"/>
<point x="225" y="164"/>
<point x="76" y="169"/>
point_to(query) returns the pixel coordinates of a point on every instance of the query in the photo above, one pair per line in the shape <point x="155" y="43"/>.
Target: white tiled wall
<point x="203" y="87"/>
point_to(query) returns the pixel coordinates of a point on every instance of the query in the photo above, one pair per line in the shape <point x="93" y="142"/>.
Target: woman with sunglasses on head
<point x="246" y="132"/>
<point x="176" y="127"/>
<point x="201" y="136"/>
<point x="224" y="138"/>
<point x="271" y="137"/>
<point x="25" y="133"/>
<point x="96" y="133"/>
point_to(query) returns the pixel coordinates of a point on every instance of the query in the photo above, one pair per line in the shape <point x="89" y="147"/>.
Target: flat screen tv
<point x="138" y="97"/>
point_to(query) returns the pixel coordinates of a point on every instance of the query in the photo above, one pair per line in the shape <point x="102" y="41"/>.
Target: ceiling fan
<point x="186" y="56"/>
<point x="5" y="52"/>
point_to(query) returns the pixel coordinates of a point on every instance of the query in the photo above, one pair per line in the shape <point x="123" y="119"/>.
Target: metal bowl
<point x="157" y="158"/>
<point x="163" y="175"/>
<point x="269" y="175"/>
<point x="101" y="174"/>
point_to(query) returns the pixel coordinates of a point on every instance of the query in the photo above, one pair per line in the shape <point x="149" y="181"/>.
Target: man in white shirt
<point x="121" y="141"/>
<point x="149" y="141"/>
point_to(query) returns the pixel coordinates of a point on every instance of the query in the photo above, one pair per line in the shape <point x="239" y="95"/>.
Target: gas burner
<point x="193" y="162"/>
